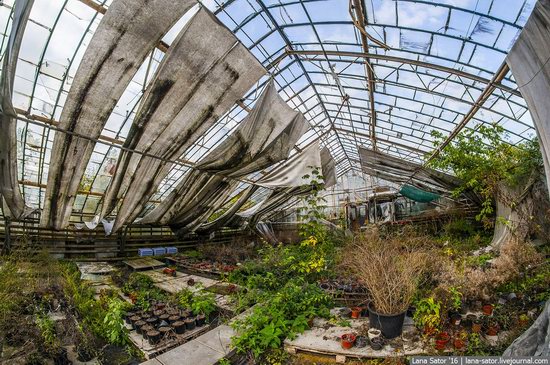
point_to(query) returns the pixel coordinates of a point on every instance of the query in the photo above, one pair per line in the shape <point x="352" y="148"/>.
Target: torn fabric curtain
<point x="293" y="172"/>
<point x="328" y="168"/>
<point x="127" y="33"/>
<point x="528" y="60"/>
<point x="265" y="136"/>
<point x="226" y="217"/>
<point x="204" y="73"/>
<point x="396" y="170"/>
<point x="276" y="199"/>
<point x="9" y="184"/>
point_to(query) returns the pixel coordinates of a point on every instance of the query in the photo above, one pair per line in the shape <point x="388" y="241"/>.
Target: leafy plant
<point x="482" y="159"/>
<point x="456" y="298"/>
<point x="428" y="313"/>
<point x="285" y="314"/>
<point x="203" y="303"/>
<point x="47" y="330"/>
<point x="116" y="332"/>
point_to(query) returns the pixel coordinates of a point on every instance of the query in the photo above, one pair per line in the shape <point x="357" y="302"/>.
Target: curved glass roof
<point x="374" y="73"/>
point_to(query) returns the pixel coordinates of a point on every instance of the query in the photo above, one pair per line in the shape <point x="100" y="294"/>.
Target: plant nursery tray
<point x="144" y="263"/>
<point x="322" y="339"/>
<point x="150" y="351"/>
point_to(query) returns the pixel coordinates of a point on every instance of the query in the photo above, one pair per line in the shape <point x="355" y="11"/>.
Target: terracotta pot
<point x="459" y="343"/>
<point x="487" y="309"/>
<point x="347" y="340"/>
<point x="492" y="330"/>
<point x="179" y="327"/>
<point x="441" y="340"/>
<point x="356" y="312"/>
<point x="476" y="326"/>
<point x="164" y="317"/>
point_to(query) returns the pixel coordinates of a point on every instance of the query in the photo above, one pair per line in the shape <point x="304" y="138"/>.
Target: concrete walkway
<point x="207" y="349"/>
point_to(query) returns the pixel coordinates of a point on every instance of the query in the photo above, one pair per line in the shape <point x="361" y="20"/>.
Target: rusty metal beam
<point x="491" y="87"/>
<point x="371" y="82"/>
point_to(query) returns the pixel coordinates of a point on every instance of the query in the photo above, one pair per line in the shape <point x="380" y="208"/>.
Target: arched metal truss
<point x="442" y="70"/>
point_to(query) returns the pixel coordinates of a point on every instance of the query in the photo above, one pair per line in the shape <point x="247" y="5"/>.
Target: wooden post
<point x="7" y="241"/>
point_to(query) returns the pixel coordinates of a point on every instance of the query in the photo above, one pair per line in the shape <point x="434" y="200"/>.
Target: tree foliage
<point x="483" y="159"/>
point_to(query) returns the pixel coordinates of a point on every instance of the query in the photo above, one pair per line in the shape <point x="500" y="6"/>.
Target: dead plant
<point x="390" y="267"/>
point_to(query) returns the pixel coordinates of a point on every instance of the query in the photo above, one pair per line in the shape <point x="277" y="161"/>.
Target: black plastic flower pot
<point x="152" y="321"/>
<point x="190" y="324"/>
<point x="179" y="327"/>
<point x="173" y="319"/>
<point x="390" y="325"/>
<point x="201" y="320"/>
<point x="153" y="337"/>
<point x="138" y="325"/>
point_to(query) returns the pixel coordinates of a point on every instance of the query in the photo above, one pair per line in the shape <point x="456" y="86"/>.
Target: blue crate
<point x="145" y="252"/>
<point x="171" y="250"/>
<point x="157" y="251"/>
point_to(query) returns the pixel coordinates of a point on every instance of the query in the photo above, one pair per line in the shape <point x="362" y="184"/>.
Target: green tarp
<point x="418" y="195"/>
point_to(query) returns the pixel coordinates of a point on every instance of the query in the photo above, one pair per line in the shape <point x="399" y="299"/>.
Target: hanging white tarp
<point x="528" y="60"/>
<point x="9" y="183"/>
<point x="293" y="172"/>
<point x="204" y="74"/>
<point x="264" y="137"/>
<point x="328" y="168"/>
<point x="126" y="34"/>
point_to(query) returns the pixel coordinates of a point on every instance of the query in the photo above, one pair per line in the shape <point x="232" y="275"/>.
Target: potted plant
<point x="460" y="340"/>
<point x="356" y="312"/>
<point x="377" y="343"/>
<point x="347" y="340"/>
<point x="523" y="320"/>
<point x="441" y="340"/>
<point x="427" y="315"/>
<point x="390" y="268"/>
<point x="373" y="333"/>
<point x="487" y="309"/>
<point x="476" y="326"/>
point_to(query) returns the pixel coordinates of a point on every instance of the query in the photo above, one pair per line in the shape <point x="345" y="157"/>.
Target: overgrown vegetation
<point x="282" y="284"/>
<point x="485" y="161"/>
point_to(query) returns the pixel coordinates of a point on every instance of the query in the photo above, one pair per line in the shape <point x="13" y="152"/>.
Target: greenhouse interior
<point x="327" y="181"/>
